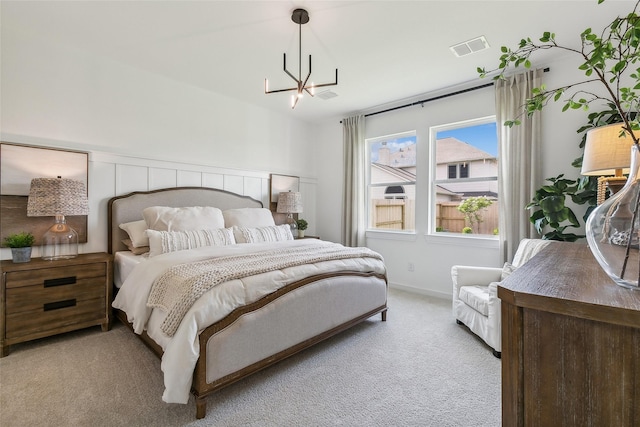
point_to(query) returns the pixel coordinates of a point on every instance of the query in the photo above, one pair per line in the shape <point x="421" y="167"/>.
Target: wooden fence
<point x="449" y="218"/>
<point x="393" y="214"/>
<point x="399" y="214"/>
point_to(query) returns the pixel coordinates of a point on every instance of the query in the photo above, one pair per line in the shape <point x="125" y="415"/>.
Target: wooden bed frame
<point x="243" y="321"/>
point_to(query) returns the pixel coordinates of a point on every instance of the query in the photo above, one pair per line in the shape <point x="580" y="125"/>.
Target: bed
<point x="294" y="293"/>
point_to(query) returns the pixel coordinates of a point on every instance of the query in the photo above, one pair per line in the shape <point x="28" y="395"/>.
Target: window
<point x="465" y="177"/>
<point x="391" y="182"/>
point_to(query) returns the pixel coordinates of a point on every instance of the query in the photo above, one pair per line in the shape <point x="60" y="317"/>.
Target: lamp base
<point x="614" y="183"/>
<point x="60" y="242"/>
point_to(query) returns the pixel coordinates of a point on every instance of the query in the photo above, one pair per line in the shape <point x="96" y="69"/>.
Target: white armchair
<point x="475" y="293"/>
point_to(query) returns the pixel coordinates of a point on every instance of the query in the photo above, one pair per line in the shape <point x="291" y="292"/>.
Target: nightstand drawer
<point x="54" y="276"/>
<point x="28" y="298"/>
<point x="53" y="316"/>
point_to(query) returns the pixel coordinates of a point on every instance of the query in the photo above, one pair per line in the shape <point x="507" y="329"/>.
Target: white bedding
<point x="181" y="351"/>
<point x="123" y="264"/>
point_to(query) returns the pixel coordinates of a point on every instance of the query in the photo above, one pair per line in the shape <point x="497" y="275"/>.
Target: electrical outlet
<point x="410" y="267"/>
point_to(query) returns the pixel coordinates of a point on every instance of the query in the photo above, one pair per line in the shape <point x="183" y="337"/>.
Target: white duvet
<point x="181" y="351"/>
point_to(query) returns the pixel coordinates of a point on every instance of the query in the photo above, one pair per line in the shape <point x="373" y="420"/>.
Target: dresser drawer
<point x="55" y="276"/>
<point x="30" y="298"/>
<point x="54" y="316"/>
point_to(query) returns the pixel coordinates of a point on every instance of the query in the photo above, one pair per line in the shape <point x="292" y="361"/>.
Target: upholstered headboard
<point x="128" y="207"/>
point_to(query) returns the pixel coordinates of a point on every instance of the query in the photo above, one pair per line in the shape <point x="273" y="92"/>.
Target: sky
<point x="482" y="136"/>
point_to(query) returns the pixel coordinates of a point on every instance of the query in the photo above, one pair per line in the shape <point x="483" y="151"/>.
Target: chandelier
<point x="300" y="17"/>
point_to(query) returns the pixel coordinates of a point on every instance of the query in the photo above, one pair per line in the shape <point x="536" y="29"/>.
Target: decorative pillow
<point x="248" y="217"/>
<point x="275" y="233"/>
<point x="507" y="269"/>
<point x="163" y="218"/>
<point x="136" y="231"/>
<point x="135" y="250"/>
<point x="161" y="242"/>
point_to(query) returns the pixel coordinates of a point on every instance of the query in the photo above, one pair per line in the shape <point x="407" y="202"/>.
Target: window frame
<point x="431" y="233"/>
<point x="370" y="231"/>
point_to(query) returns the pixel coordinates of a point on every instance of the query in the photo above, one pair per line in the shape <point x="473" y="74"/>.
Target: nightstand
<point x="307" y="237"/>
<point x="43" y="298"/>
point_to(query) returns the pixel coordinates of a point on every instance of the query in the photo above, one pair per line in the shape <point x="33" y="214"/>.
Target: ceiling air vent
<point x="470" y="46"/>
<point x="327" y="94"/>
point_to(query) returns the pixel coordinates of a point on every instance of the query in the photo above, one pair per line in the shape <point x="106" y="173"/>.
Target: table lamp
<point x="608" y="156"/>
<point x="58" y="197"/>
<point x="290" y="202"/>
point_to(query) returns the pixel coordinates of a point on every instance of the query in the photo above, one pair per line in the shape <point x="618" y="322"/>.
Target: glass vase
<point x="612" y="230"/>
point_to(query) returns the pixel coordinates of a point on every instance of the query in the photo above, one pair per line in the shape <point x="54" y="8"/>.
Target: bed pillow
<point x="136" y="231"/>
<point x="162" y="242"/>
<point x="163" y="218"/>
<point x="136" y="250"/>
<point x="248" y="217"/>
<point x="275" y="233"/>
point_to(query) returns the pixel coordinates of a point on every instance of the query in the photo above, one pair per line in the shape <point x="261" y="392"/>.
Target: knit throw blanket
<point x="178" y="288"/>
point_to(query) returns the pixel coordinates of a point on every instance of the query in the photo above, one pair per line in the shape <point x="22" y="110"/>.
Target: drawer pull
<point x="60" y="281"/>
<point x="59" y="304"/>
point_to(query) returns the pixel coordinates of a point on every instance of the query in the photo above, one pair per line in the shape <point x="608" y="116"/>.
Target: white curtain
<point x="354" y="221"/>
<point x="519" y="153"/>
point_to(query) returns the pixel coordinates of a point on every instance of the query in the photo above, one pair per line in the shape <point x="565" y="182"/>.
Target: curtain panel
<point x="519" y="151"/>
<point x="353" y="218"/>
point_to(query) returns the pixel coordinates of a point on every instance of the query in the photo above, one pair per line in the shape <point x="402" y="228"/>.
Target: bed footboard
<point x="282" y="324"/>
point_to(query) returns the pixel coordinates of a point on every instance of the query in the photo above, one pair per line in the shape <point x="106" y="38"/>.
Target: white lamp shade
<point x="57" y="196"/>
<point x="289" y="202"/>
<point x="605" y="151"/>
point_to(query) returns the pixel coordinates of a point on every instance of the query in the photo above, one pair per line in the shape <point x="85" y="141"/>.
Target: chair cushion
<point x="476" y="297"/>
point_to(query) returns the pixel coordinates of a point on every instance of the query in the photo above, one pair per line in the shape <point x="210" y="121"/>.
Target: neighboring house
<point x="459" y="160"/>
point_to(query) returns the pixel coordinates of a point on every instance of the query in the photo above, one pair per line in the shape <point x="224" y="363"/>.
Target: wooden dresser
<point x="42" y="298"/>
<point x="570" y="343"/>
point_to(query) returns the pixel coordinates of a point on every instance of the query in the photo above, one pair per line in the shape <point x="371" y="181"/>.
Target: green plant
<point x="471" y="208"/>
<point x="19" y="240"/>
<point x="302" y="224"/>
<point x="549" y="209"/>
<point x="467" y="230"/>
<point x="605" y="58"/>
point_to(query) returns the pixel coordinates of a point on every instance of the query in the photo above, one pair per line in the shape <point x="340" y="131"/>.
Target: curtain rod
<point x="435" y="98"/>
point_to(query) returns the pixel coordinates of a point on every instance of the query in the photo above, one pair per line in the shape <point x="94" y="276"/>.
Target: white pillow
<point x="136" y="231"/>
<point x="163" y="218"/>
<point x="248" y="217"/>
<point x="275" y="233"/>
<point x="162" y="242"/>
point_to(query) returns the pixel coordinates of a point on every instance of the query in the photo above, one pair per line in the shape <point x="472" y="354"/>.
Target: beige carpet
<point x="417" y="369"/>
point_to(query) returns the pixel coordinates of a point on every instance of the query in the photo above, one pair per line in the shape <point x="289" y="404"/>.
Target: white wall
<point x="144" y="131"/>
<point x="433" y="256"/>
<point x="165" y="131"/>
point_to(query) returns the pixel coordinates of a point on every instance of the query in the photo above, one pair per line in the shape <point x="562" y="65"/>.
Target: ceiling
<point x="385" y="50"/>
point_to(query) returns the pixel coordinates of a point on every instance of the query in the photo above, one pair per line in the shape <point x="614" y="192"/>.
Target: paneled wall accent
<point x="112" y="175"/>
<point x="136" y="174"/>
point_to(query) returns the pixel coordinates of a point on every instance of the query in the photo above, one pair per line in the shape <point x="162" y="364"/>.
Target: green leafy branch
<point x="606" y="58"/>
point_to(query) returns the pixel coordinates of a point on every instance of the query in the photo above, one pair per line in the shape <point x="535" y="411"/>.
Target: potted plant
<point x="302" y="225"/>
<point x="20" y="244"/>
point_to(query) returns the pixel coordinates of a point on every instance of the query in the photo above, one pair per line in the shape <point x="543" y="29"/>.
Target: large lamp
<point x="290" y="202"/>
<point x="608" y="156"/>
<point x="58" y="197"/>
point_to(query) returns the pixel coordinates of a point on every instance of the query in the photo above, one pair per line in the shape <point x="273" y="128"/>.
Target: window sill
<point x="391" y="235"/>
<point x="458" y="239"/>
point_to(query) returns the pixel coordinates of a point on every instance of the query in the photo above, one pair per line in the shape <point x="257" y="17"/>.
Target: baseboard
<point x="421" y="291"/>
